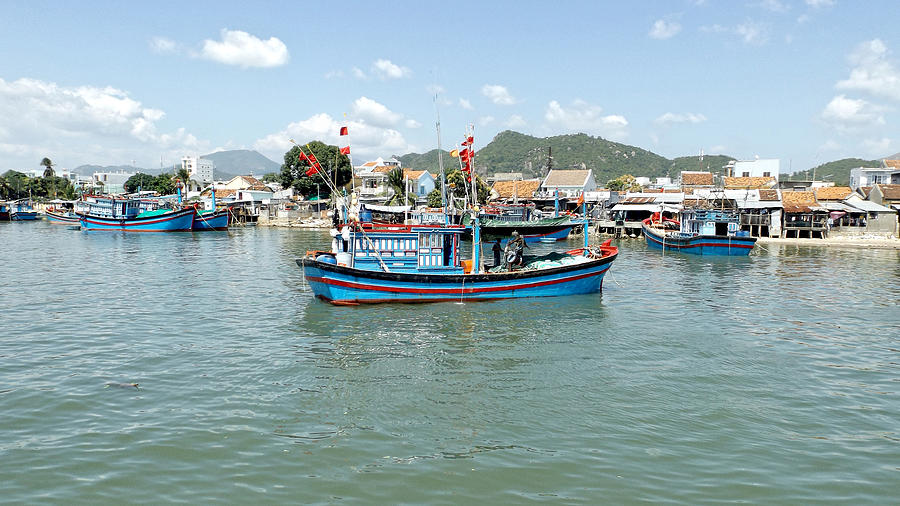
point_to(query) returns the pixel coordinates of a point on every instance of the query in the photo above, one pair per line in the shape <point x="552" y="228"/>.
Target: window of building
<point x="745" y="174"/>
<point x="767" y="174"/>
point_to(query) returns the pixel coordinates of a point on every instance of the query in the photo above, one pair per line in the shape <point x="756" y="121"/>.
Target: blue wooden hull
<point x="346" y="285"/>
<point x="699" y="244"/>
<point x="175" y="221"/>
<point x="211" y="221"/>
<point x="23" y="215"/>
<point x="62" y="218"/>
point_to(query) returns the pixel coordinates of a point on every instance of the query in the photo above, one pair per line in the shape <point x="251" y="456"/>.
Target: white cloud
<point x="774" y="5"/>
<point x="819" y="3"/>
<point x="485" y="120"/>
<point x="334" y="74"/>
<point x="375" y="113"/>
<point x="671" y="118"/>
<point x="163" y="45"/>
<point x="586" y="118"/>
<point x="358" y="73"/>
<point x="873" y="72"/>
<point x="844" y="113"/>
<point x="245" y="50"/>
<point x="465" y="104"/>
<point x="411" y="123"/>
<point x="663" y="29"/>
<point x="368" y="141"/>
<point x="498" y="94"/>
<point x="516" y="121"/>
<point x="385" y="69"/>
<point x="85" y="124"/>
<point x="752" y="33"/>
<point x="878" y="147"/>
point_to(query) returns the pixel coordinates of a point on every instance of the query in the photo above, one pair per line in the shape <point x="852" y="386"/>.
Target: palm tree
<point x="48" y="172"/>
<point x="396" y="181"/>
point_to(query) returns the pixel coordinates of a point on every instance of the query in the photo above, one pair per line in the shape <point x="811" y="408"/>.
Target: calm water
<point x="772" y="379"/>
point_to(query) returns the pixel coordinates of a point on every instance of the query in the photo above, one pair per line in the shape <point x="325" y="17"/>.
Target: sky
<point x="145" y="83"/>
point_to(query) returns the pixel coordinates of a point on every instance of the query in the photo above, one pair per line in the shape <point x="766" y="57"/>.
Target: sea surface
<point x="768" y="379"/>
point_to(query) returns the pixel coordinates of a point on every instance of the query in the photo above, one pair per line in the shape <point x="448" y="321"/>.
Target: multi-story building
<point x="200" y="169"/>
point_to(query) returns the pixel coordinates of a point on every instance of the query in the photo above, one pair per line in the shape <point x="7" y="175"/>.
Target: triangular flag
<point x="344" y="130"/>
<point x="345" y="150"/>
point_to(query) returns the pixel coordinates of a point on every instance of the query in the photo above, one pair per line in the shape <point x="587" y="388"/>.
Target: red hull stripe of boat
<point x="720" y="244"/>
<point x="452" y="291"/>
<point x="119" y="224"/>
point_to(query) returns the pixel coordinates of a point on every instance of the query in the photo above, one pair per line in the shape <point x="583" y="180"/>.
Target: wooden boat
<point x="22" y="211"/>
<point x="62" y="218"/>
<point x="127" y="215"/>
<point x="700" y="232"/>
<point x="210" y="220"/>
<point x="420" y="263"/>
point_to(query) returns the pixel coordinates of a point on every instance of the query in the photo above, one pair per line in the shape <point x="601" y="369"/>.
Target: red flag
<point x="312" y="159"/>
<point x="345" y="150"/>
<point x="467" y="168"/>
<point x="302" y="156"/>
<point x="464" y="155"/>
<point x="312" y="170"/>
<point x="470" y="140"/>
<point x="581" y="199"/>
<point x="344" y="131"/>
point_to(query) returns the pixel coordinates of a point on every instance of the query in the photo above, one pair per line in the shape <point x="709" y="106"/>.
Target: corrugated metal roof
<point x="870" y="207"/>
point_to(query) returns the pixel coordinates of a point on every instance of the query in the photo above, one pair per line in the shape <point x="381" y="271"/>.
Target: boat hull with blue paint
<point x="722" y="245"/>
<point x="169" y="221"/>
<point x="22" y="212"/>
<point x="344" y="285"/>
<point x="211" y="220"/>
<point x="57" y="218"/>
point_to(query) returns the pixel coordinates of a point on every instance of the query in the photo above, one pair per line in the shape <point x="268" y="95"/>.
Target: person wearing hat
<point x="516" y="246"/>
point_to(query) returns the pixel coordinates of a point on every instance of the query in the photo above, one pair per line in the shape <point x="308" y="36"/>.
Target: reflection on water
<point x="688" y="379"/>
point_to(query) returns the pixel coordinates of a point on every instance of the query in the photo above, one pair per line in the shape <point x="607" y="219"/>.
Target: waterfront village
<point x="768" y="206"/>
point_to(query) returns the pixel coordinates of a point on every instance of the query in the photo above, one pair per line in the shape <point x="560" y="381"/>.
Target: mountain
<point x="87" y="170"/>
<point x="837" y="171"/>
<point x="515" y="152"/>
<point x="241" y="162"/>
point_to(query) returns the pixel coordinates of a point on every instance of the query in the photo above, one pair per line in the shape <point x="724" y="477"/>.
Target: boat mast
<point x="440" y="154"/>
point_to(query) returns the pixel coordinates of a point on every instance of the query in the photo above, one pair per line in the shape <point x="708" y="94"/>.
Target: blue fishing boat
<point x="126" y="215"/>
<point x="700" y="232"/>
<point x="500" y="220"/>
<point x="420" y="263"/>
<point x="210" y="220"/>
<point x="62" y="218"/>
<point x="22" y="211"/>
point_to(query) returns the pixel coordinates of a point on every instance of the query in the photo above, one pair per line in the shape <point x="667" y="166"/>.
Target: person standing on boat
<point x="515" y="249"/>
<point x="497" y="249"/>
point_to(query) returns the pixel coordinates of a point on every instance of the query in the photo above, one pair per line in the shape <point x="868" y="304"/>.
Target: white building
<point x="754" y="168"/>
<point x="888" y="173"/>
<point x="200" y="169"/>
<point x="111" y="182"/>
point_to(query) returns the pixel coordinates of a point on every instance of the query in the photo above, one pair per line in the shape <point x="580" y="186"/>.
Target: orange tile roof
<point x="865" y="190"/>
<point x="749" y="183"/>
<point x="566" y="178"/>
<point x="894" y="164"/>
<point x="833" y="193"/>
<point x="522" y="189"/>
<point x="798" y="202"/>
<point x="220" y="194"/>
<point x="890" y="191"/>
<point x="696" y="178"/>
<point x="768" y="195"/>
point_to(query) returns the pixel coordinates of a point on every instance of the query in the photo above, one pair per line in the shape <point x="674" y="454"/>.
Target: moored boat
<point x="210" y="220"/>
<point x="4" y="211"/>
<point x="701" y="232"/>
<point x="22" y="211"/>
<point x="62" y="218"/>
<point x="127" y="215"/>
<point x="422" y="264"/>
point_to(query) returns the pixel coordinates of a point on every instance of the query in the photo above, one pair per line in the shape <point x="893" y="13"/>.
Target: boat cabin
<point x="113" y="208"/>
<point x="710" y="222"/>
<point x="401" y="248"/>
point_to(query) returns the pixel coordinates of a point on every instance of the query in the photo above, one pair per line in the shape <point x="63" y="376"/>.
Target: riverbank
<point x="868" y="242"/>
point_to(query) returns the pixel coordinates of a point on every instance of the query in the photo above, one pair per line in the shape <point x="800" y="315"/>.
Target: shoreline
<point x="874" y="242"/>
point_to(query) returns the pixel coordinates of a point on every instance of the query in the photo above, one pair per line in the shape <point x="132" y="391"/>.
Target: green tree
<point x="164" y="184"/>
<point x="398" y="183"/>
<point x="335" y="167"/>
<point x="458" y="185"/>
<point x="625" y="182"/>
<point x="138" y="182"/>
<point x="434" y="198"/>
<point x="18" y="184"/>
<point x="48" y="172"/>
<point x="271" y="177"/>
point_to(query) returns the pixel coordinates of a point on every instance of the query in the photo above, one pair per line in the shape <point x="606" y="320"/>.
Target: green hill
<point x="837" y="171"/>
<point x="515" y="152"/>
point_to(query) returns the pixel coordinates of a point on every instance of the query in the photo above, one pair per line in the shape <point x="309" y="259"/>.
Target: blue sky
<point x="805" y="81"/>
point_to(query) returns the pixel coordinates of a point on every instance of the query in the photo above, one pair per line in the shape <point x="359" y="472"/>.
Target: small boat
<point x="210" y="220"/>
<point x="103" y="213"/>
<point x="22" y="211"/>
<point x="62" y="218"/>
<point x="421" y="263"/>
<point x="4" y="211"/>
<point x="700" y="232"/>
